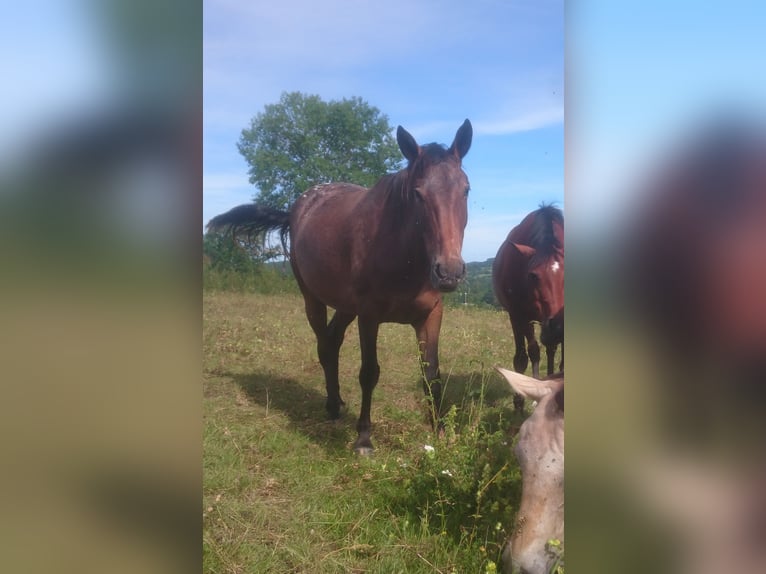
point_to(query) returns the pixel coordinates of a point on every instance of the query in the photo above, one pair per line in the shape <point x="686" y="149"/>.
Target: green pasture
<point x="283" y="491"/>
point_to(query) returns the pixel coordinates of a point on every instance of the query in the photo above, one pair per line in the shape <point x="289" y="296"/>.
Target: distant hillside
<point x="476" y="288"/>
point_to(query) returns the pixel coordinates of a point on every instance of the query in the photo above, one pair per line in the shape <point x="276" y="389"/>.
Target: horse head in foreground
<point x="540" y="451"/>
<point x="383" y="254"/>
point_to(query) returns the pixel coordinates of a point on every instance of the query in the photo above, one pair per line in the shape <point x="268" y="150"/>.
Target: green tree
<point x="303" y="141"/>
<point x="240" y="254"/>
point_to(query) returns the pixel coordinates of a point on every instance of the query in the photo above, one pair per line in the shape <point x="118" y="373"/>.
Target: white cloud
<point x="528" y="121"/>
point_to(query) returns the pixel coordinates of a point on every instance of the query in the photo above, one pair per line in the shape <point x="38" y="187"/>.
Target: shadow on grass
<point x="304" y="407"/>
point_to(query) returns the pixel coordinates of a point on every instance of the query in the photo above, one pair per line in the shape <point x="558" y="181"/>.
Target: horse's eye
<point x="533" y="277"/>
<point x="418" y="194"/>
<point x="467" y="189"/>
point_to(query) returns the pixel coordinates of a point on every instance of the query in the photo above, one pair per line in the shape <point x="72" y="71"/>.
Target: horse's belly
<point x="324" y="277"/>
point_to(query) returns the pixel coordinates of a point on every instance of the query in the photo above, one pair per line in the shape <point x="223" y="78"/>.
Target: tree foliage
<point x="240" y="255"/>
<point x="303" y="141"/>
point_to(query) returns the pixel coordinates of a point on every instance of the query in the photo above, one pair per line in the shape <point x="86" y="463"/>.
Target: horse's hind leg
<point x="329" y="339"/>
<point x="336" y="330"/>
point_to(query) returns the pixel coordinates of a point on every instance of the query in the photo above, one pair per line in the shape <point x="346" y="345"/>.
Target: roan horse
<point x="382" y="254"/>
<point x="540" y="451"/>
<point x="528" y="280"/>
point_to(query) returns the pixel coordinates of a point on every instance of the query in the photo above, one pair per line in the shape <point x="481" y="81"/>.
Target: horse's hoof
<point x="363" y="446"/>
<point x="364" y="450"/>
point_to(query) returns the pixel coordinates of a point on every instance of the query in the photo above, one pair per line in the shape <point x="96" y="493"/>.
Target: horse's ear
<point x="407" y="144"/>
<point x="526" y="386"/>
<point x="525" y="250"/>
<point x="463" y="138"/>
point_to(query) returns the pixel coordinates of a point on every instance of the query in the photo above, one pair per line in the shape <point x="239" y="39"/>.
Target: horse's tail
<point x="253" y="219"/>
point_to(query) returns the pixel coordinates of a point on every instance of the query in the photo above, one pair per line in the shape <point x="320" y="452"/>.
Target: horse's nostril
<point x="445" y="272"/>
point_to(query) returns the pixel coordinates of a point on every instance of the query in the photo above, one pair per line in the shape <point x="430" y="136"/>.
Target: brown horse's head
<point x="439" y="191"/>
<point x="545" y="285"/>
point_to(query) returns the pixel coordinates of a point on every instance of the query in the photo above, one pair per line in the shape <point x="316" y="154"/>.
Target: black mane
<point x="541" y="233"/>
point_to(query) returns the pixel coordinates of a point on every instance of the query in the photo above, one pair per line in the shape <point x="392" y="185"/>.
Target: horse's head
<point x="545" y="285"/>
<point x="438" y="189"/>
<point x="540" y="452"/>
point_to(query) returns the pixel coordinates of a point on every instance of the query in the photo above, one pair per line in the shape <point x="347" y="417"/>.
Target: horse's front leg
<point x="368" y="378"/>
<point x="550" y="354"/>
<point x="427" y="332"/>
<point x="552" y="335"/>
<point x="520" y="357"/>
<point x="533" y="348"/>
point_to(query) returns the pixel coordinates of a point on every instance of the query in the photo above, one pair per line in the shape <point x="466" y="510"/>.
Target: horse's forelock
<point x="542" y="235"/>
<point x="430" y="154"/>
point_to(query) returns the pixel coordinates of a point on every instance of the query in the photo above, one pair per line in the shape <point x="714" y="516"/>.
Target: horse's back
<point x="324" y="222"/>
<point x="323" y="211"/>
<point x="326" y="197"/>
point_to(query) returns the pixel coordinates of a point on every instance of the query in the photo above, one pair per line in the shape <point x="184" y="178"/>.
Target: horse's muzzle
<point x="552" y="332"/>
<point x="446" y="276"/>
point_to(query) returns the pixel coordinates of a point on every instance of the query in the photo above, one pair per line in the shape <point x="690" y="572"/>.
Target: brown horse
<point x="382" y="254"/>
<point x="528" y="280"/>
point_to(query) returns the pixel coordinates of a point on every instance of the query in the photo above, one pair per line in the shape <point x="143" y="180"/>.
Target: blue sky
<point x="639" y="74"/>
<point x="644" y="77"/>
<point x="427" y="65"/>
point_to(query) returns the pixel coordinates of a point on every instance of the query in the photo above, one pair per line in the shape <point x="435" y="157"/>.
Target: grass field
<point x="283" y="491"/>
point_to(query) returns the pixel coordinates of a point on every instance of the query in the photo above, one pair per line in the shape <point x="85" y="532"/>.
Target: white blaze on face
<point x="555" y="266"/>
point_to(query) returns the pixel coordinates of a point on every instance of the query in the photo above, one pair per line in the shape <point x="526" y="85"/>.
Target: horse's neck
<point x="397" y="222"/>
<point x="400" y="213"/>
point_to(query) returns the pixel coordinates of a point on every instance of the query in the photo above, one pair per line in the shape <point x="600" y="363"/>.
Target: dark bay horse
<point x="383" y="254"/>
<point x="528" y="280"/>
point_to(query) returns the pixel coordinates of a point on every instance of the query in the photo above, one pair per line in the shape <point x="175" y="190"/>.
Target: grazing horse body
<point x="528" y="280"/>
<point x="382" y="255"/>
